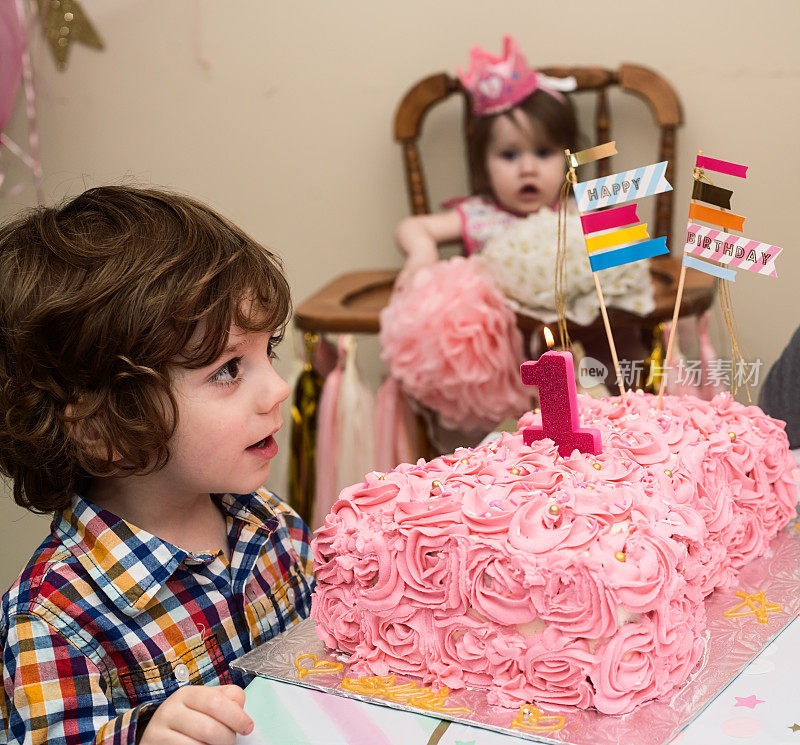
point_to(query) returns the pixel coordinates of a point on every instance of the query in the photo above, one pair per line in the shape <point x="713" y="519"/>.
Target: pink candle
<point x="558" y="398"/>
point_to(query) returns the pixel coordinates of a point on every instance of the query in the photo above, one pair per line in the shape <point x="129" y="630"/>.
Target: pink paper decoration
<point x="11" y="47"/>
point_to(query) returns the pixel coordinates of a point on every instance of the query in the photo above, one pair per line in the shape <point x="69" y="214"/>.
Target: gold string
<point x="739" y="352"/>
<point x="561" y="260"/>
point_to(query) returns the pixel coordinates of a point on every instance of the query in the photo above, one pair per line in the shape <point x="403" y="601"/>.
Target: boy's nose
<point x="273" y="392"/>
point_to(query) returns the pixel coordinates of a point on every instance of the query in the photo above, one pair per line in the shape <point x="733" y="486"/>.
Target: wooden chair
<point x="352" y="302"/>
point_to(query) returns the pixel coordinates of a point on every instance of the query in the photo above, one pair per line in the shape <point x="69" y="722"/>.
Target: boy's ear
<point x="84" y="433"/>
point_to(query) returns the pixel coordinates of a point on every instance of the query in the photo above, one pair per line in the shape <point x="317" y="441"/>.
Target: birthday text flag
<point x="733" y="250"/>
<point x="621" y="187"/>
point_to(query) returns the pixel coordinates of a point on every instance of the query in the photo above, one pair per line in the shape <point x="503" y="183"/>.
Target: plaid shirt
<point x="107" y="620"/>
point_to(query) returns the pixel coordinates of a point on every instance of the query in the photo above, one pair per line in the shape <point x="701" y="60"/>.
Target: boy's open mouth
<point x="261" y="443"/>
<point x="529" y="189"/>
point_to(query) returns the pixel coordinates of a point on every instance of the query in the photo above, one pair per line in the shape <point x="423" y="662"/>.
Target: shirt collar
<point x="128" y="564"/>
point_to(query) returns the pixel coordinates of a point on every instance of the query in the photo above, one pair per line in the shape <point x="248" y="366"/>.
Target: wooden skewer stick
<point x="600" y="297"/>
<point x="610" y="337"/>
<point x="673" y="329"/>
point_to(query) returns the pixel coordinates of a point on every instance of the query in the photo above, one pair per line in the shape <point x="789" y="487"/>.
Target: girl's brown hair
<point x="554" y="118"/>
<point x="99" y="298"/>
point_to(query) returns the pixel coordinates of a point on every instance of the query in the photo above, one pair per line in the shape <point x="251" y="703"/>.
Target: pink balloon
<point x="11" y="46"/>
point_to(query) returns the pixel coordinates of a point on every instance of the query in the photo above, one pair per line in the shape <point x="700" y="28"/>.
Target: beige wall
<point x="279" y="114"/>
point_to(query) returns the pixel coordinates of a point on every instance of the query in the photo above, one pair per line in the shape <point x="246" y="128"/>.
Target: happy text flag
<point x="622" y="187"/>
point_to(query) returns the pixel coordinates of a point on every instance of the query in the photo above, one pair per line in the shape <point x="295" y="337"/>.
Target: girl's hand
<point x="412" y="266"/>
<point x="418" y="237"/>
<point x="209" y="715"/>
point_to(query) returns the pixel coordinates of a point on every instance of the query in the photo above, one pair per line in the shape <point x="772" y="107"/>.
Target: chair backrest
<point x="655" y="90"/>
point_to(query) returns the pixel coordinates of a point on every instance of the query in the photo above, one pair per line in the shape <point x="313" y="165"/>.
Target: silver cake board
<point x="731" y="644"/>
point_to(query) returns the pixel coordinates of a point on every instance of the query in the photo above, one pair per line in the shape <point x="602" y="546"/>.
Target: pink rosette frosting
<point x="568" y="581"/>
<point x="337" y="617"/>
<point x="560" y="676"/>
<point x="467" y="652"/>
<point x="395" y="644"/>
<point x="642" y="440"/>
<point x="496" y="586"/>
<point x="432" y="567"/>
<point x="649" y="577"/>
<point x="571" y="595"/>
<point x="630" y="670"/>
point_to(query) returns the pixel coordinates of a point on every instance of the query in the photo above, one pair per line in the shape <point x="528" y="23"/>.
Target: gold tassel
<point x="739" y="353"/>
<point x="561" y="261"/>
<point x="302" y="459"/>
<point x="654" y="364"/>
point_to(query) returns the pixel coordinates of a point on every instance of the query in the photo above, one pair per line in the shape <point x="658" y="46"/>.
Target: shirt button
<point x="181" y="673"/>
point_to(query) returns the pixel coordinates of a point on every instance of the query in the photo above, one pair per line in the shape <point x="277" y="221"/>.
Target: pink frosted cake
<point x="555" y="580"/>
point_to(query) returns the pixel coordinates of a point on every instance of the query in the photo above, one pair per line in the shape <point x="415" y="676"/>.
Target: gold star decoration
<point x="795" y="728"/>
<point x="756" y="605"/>
<point x="65" y="22"/>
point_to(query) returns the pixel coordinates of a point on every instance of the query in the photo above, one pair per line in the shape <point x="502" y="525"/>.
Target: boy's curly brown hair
<point x="99" y="299"/>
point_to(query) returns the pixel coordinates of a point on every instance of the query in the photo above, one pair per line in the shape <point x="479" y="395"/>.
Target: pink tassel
<point x="712" y="378"/>
<point x="327" y="444"/>
<point x="345" y="432"/>
<point x="395" y="427"/>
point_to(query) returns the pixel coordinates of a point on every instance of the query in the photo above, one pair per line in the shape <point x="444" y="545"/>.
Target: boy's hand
<point x="211" y="715"/>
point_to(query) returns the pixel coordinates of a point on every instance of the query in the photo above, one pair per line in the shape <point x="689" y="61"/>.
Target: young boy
<point x="138" y="404"/>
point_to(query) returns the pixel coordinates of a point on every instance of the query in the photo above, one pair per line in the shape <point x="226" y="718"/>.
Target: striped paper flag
<point x="721" y="166"/>
<point x="712" y="194"/>
<point x="593" y="153"/>
<point x="720" y="218"/>
<point x="608" y="219"/>
<point x="708" y="268"/>
<point x="733" y="250"/>
<point x="622" y="187"/>
<point x="627" y="254"/>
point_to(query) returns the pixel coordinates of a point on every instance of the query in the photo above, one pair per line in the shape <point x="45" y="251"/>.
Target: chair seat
<point x="352" y="302"/>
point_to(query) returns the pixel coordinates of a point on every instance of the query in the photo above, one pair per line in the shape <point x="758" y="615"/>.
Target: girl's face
<point x="525" y="170"/>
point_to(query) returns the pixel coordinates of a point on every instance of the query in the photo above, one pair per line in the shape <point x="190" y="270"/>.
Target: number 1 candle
<point x="554" y="373"/>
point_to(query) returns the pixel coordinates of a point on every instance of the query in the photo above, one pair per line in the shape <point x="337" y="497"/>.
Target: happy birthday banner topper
<point x="712" y="245"/>
<point x="716" y="252"/>
<point x="615" y="236"/>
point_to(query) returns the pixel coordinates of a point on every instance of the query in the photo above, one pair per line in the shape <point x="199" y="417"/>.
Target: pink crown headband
<point x="497" y="84"/>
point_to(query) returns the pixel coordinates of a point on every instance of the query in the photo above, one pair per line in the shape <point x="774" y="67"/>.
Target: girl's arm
<point x="419" y="236"/>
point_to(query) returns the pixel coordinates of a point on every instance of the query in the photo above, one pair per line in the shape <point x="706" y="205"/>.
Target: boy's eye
<point x="228" y="373"/>
<point x="509" y="154"/>
<point x="545" y="152"/>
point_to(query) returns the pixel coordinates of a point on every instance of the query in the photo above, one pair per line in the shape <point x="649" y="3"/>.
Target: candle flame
<point x="548" y="337"/>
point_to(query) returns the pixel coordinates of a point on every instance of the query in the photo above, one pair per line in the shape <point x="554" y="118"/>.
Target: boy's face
<point x="228" y="413"/>
<point x="525" y="170"/>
